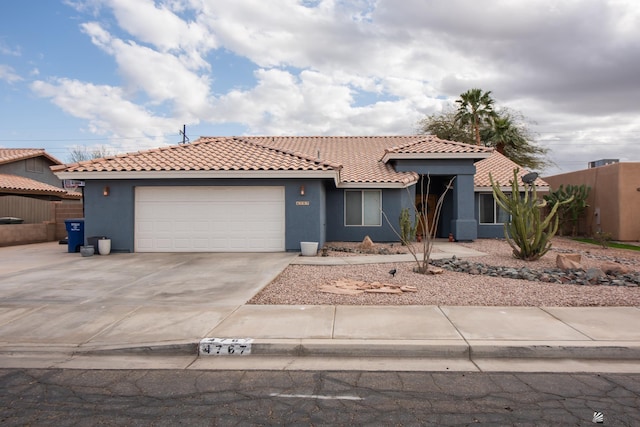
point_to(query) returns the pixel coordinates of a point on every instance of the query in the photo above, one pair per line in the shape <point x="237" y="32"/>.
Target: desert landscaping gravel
<point x="298" y="284"/>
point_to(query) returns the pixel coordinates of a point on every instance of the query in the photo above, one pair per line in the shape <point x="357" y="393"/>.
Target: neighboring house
<point x="30" y="192"/>
<point x="32" y="163"/>
<point x="27" y="172"/>
<point x="270" y="193"/>
<point x="614" y="200"/>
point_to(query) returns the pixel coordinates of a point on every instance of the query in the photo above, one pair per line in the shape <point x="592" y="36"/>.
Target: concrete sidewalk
<point x="151" y="315"/>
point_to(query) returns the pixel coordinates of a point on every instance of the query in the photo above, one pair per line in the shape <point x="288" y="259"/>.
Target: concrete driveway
<point x="49" y="296"/>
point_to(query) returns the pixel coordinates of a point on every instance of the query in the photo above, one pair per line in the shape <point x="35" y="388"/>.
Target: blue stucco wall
<point x="393" y="200"/>
<point x="487" y="231"/>
<point x="458" y="215"/>
<point x="114" y="216"/>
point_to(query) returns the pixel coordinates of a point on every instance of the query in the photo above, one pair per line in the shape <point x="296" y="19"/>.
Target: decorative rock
<point x="614" y="268"/>
<point x="367" y="245"/>
<point x="593" y="276"/>
<point x="569" y="261"/>
<point x="435" y="270"/>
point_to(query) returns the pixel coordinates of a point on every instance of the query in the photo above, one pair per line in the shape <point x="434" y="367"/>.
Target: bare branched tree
<point x="81" y="153"/>
<point x="422" y="222"/>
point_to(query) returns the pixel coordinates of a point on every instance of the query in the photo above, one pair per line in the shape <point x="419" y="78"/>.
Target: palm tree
<point x="510" y="138"/>
<point x="475" y="108"/>
<point x="503" y="133"/>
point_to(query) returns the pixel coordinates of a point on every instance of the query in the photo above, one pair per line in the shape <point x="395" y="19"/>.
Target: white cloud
<point x="8" y="74"/>
<point x="162" y="76"/>
<point x="158" y="26"/>
<point x="107" y="111"/>
<point x="311" y="103"/>
<point x="367" y="67"/>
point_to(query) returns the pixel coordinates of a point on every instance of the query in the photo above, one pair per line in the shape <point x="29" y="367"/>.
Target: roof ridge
<point x="408" y="144"/>
<point x="422" y="138"/>
<point x="297" y="154"/>
<point x="26" y="153"/>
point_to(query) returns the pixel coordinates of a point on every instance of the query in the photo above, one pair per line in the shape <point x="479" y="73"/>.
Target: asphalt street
<point x="229" y="398"/>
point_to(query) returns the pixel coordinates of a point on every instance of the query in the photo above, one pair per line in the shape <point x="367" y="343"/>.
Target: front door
<point x="429" y="209"/>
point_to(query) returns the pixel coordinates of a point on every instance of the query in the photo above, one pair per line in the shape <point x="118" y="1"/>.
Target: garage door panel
<point x="209" y="219"/>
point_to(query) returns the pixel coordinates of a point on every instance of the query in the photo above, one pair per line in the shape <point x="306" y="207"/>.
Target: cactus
<point x="570" y="212"/>
<point x="407" y="229"/>
<point x="528" y="234"/>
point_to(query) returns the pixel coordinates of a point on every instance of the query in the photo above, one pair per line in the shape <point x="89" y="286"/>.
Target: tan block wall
<point x="66" y="210"/>
<point x="629" y="201"/>
<point x="614" y="195"/>
<point x="21" y="234"/>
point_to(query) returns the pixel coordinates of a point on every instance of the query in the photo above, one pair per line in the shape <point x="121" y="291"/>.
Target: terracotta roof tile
<point x="10" y="155"/>
<point x="207" y="154"/>
<point x="357" y="157"/>
<point x="430" y="144"/>
<point x="20" y="185"/>
<point x="501" y="169"/>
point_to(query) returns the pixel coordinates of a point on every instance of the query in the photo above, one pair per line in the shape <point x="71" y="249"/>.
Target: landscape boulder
<point x="569" y="261"/>
<point x="614" y="268"/>
<point x="367" y="245"/>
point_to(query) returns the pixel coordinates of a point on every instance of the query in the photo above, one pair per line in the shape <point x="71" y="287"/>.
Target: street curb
<point x="450" y="349"/>
<point x="577" y="350"/>
<point x="361" y="348"/>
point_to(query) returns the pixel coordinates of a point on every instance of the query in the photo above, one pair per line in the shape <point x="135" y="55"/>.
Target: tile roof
<point x="207" y="154"/>
<point x="20" y="185"/>
<point x="358" y="159"/>
<point x="9" y="155"/>
<point x="501" y="170"/>
<point x="430" y="144"/>
<point x="358" y="155"/>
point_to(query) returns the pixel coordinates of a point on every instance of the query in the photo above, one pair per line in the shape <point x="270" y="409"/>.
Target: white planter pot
<point x="104" y="246"/>
<point x="309" y="248"/>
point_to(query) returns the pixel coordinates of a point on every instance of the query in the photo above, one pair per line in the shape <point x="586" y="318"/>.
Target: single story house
<point x="264" y="193"/>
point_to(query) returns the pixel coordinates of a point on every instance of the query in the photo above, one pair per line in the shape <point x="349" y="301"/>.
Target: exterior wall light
<point x="302" y="190"/>
<point x="105" y="191"/>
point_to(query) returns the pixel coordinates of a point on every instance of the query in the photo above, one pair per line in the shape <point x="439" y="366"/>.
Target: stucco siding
<point x="114" y="215"/>
<point x="614" y="200"/>
<point x="393" y="200"/>
<point x="19" y="168"/>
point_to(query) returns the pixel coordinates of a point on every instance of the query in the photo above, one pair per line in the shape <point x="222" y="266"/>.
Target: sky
<point x="126" y="75"/>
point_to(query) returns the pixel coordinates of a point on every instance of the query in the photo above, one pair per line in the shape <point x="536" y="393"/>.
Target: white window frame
<point x="495" y="210"/>
<point x="362" y="207"/>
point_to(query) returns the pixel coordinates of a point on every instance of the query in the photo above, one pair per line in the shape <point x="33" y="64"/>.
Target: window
<point x="363" y="207"/>
<point x="34" y="165"/>
<point x="490" y="211"/>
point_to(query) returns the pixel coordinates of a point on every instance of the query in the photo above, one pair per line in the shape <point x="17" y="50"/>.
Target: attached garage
<point x="209" y="219"/>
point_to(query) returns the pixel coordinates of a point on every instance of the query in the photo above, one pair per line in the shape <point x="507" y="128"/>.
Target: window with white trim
<point x="363" y="207"/>
<point x="491" y="212"/>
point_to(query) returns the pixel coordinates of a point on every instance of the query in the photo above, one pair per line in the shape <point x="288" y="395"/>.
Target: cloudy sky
<point x="127" y="74"/>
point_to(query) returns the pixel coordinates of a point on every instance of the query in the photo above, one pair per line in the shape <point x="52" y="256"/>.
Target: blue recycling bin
<point x="75" y="233"/>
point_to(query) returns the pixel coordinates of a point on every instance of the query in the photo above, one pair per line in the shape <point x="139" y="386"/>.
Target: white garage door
<point x="209" y="219"/>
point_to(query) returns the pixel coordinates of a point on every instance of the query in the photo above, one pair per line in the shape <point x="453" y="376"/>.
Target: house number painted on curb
<point x="225" y="346"/>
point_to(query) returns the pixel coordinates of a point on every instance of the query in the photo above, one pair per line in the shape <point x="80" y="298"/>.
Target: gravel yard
<point x="298" y="284"/>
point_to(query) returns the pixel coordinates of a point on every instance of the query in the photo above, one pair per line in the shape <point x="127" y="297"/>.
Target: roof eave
<point x="522" y="189"/>
<point x="434" y="156"/>
<point x="255" y="174"/>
